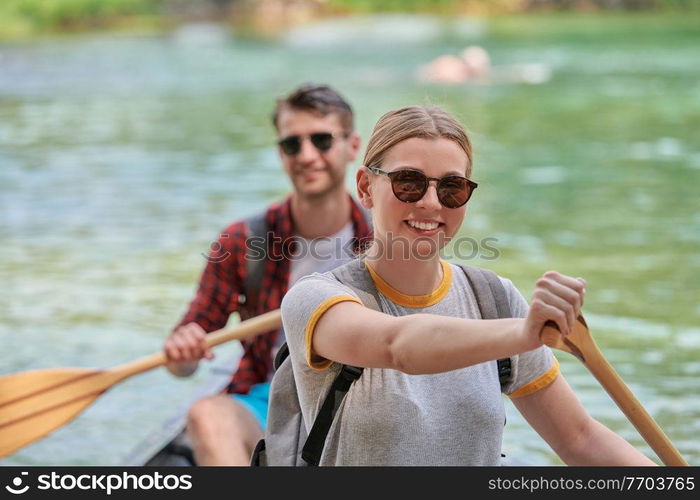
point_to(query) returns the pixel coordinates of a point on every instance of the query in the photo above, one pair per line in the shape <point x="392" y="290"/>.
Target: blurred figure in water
<point x="473" y="63"/>
<point x="474" y="66"/>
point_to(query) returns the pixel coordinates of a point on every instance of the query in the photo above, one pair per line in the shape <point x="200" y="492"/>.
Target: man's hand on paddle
<point x="558" y="298"/>
<point x="184" y="347"/>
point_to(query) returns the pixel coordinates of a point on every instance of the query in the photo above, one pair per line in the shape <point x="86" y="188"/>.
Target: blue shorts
<point x="256" y="402"/>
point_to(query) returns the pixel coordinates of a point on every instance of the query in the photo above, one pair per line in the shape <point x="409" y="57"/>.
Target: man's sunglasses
<point x="291" y="145"/>
<point x="409" y="186"/>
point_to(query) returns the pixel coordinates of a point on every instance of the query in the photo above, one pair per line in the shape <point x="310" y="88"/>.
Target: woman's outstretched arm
<point x="350" y="333"/>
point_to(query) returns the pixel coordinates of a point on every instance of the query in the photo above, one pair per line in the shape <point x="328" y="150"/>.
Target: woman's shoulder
<point x="315" y="278"/>
<point x="315" y="287"/>
<point x="312" y="285"/>
<point x="308" y="299"/>
<point x="352" y="273"/>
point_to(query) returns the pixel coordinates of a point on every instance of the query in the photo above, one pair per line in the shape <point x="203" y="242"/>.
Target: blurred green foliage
<point x="508" y="5"/>
<point x="26" y="17"/>
<point x="399" y="5"/>
<point x="23" y="18"/>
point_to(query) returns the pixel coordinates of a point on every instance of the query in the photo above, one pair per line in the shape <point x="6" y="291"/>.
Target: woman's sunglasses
<point x="291" y="145"/>
<point x="409" y="186"/>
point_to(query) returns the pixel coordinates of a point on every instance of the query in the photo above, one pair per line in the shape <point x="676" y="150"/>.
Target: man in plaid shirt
<point x="316" y="143"/>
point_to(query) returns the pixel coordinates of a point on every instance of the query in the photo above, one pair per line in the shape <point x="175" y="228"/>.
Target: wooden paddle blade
<point x="34" y="403"/>
<point x="20" y="433"/>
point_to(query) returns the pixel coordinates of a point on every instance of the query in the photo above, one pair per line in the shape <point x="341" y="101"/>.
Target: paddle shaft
<point x="632" y="408"/>
<point x="258" y="324"/>
<point x="581" y="344"/>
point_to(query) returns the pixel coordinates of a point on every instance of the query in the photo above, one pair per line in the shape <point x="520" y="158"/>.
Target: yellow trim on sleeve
<point x="414" y="301"/>
<point x="539" y="383"/>
<point x="311" y="325"/>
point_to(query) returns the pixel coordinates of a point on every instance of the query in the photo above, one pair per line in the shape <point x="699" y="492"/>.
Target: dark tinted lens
<point x="323" y="141"/>
<point x="408" y="185"/>
<point x="291" y="145"/>
<point x="454" y="191"/>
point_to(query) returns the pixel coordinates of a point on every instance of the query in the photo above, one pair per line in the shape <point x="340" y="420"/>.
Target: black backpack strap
<point x="255" y="267"/>
<point x="258" y="452"/>
<point x="493" y="303"/>
<point x="282" y="354"/>
<point x="315" y="442"/>
<point x="504" y="371"/>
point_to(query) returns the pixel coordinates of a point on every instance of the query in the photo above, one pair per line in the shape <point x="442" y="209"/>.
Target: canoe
<point x="170" y="445"/>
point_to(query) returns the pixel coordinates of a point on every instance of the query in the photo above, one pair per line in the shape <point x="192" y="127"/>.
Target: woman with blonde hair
<point x="430" y="393"/>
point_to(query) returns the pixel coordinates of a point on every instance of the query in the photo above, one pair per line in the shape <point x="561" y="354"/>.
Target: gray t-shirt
<point x="389" y="417"/>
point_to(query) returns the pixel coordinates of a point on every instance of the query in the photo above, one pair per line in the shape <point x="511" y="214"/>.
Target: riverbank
<point x="28" y="19"/>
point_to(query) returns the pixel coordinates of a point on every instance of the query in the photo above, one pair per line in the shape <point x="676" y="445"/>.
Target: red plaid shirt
<point x="221" y="287"/>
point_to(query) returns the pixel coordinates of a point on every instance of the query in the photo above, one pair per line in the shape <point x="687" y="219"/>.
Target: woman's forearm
<point x="598" y="445"/>
<point x="426" y="343"/>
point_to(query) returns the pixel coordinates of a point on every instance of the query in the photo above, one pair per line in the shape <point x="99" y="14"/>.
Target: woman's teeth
<point x="424" y="226"/>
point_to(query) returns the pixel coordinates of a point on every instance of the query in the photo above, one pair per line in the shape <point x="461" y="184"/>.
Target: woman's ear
<point x="364" y="187"/>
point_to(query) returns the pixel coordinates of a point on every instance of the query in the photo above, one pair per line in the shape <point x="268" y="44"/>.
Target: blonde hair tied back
<point x="415" y="121"/>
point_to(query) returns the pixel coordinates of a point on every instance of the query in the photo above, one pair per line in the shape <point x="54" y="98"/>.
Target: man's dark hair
<point x="317" y="99"/>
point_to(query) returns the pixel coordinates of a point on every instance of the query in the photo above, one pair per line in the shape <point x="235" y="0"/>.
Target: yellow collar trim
<point x="414" y="301"/>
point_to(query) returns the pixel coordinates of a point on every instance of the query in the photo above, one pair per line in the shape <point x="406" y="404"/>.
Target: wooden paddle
<point x="34" y="403"/>
<point x="580" y="343"/>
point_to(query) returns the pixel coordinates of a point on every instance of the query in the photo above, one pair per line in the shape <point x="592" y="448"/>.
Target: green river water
<point x="122" y="157"/>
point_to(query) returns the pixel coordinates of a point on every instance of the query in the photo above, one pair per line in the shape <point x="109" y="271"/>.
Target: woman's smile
<point x="424" y="227"/>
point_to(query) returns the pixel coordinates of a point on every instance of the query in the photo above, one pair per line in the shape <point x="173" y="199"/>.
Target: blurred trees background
<point x="23" y="18"/>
